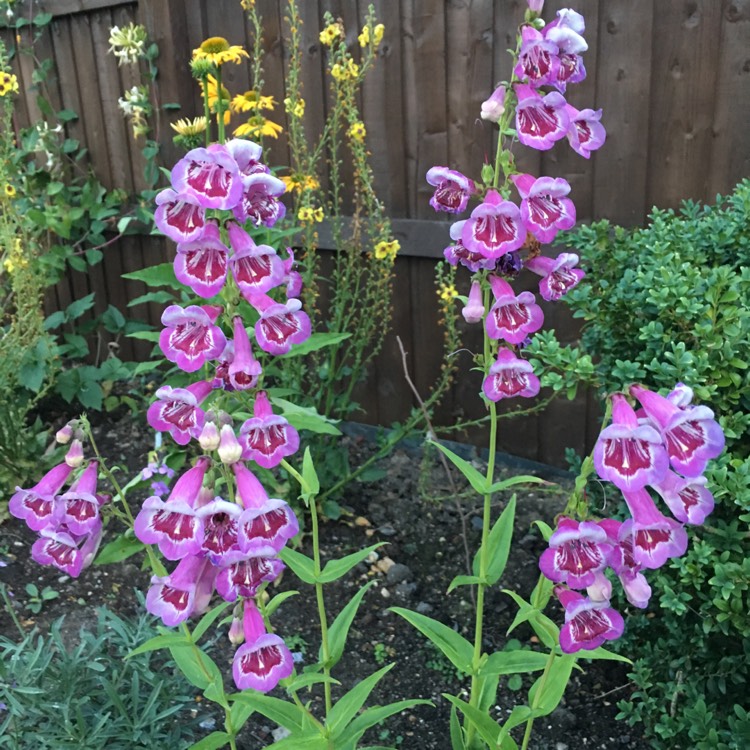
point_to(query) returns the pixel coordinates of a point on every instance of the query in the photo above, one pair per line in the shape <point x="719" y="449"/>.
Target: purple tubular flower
<point x="692" y="435"/>
<point x="78" y="508"/>
<point x="210" y="176"/>
<point x="494" y="228"/>
<point x="541" y="121"/>
<point x="473" y="311"/>
<point x="512" y="318"/>
<point x="70" y="553"/>
<point x="244" y="370"/>
<point x="267" y="437"/>
<point x="623" y="562"/>
<point x="202" y="263"/>
<point x="559" y="275"/>
<point x="688" y="498"/>
<point x="566" y="31"/>
<point x="248" y="156"/>
<point x="629" y="454"/>
<point x="263" y="660"/>
<point x="538" y="62"/>
<point x="190" y="337"/>
<point x="256" y="268"/>
<point x="179" y="216"/>
<point x="544" y="208"/>
<point x="37" y="504"/>
<point x="585" y="132"/>
<point x="452" y="189"/>
<point x="292" y="278"/>
<point x="220" y="522"/>
<point x="459" y="253"/>
<point x="244" y="574"/>
<point x="266" y="524"/>
<point x="571" y="70"/>
<point x="493" y="108"/>
<point x="655" y="537"/>
<point x="280" y="325"/>
<point x="259" y="202"/>
<point x="177" y="411"/>
<point x="576" y="553"/>
<point x="510" y="376"/>
<point x="681" y="396"/>
<point x="185" y="591"/>
<point x="174" y="525"/>
<point x="588" y="624"/>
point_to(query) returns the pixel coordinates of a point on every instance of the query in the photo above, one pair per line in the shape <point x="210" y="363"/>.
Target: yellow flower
<point x="297" y="109"/>
<point x="447" y="292"/>
<point x="299" y="182"/>
<point x="213" y="97"/>
<point x="251" y="100"/>
<point x="8" y="83"/>
<point x="387" y="250"/>
<point x="357" y="132"/>
<point x="377" y="35"/>
<point x="345" y="72"/>
<point x="331" y="33"/>
<point x="247" y="4"/>
<point x="310" y="214"/>
<point x="196" y="126"/>
<point x="258" y="126"/>
<point x="217" y="50"/>
<point x="15" y="259"/>
<point x="10" y="191"/>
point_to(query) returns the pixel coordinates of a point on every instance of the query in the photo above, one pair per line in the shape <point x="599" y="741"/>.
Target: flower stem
<point x="219" y="106"/>
<point x="321" y="605"/>
<point x="10" y="610"/>
<point x="537" y="698"/>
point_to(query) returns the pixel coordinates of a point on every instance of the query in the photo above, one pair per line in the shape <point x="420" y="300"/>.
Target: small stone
<point x="563" y="719"/>
<point x="387" y="530"/>
<point x="405" y="590"/>
<point x="372" y="557"/>
<point x="63" y="579"/>
<point x="476" y="523"/>
<point x="385" y="593"/>
<point x="361" y="521"/>
<point x="384" y="565"/>
<point x="398" y="573"/>
<point x="280" y="733"/>
<point x="424" y="608"/>
<point x="561" y="746"/>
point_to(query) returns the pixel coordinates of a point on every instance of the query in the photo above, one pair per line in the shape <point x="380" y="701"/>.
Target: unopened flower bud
<point x="473" y="311"/>
<point x="535" y="6"/>
<point x="236" y="633"/>
<point x="230" y="451"/>
<point x="488" y="174"/>
<point x="64" y="434"/>
<point x="601" y="589"/>
<point x="224" y="418"/>
<point x="209" y="437"/>
<point x="74" y="456"/>
<point x="494" y="107"/>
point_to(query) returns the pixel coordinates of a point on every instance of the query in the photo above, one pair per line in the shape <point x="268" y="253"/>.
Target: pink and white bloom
<point x="264" y="659"/>
<point x="78" y="508"/>
<point x="623" y="562"/>
<point x="577" y="552"/>
<point x="544" y="208"/>
<point x="566" y="31"/>
<point x="202" y="264"/>
<point x="570" y="70"/>
<point x="459" y="253"/>
<point x="259" y="200"/>
<point x="494" y="228"/>
<point x="692" y="435"/>
<point x="36" y="505"/>
<point x="292" y="278"/>
<point x="588" y="624"/>
<point x="688" y="498"/>
<point x="512" y="317"/>
<point x="267" y="437"/>
<point x="210" y="176"/>
<point x="538" y="62"/>
<point x="244" y="574"/>
<point x="493" y="108"/>
<point x="190" y="338"/>
<point x="627" y="453"/>
<point x="177" y="411"/>
<point x="473" y="310"/>
<point x="185" y="591"/>
<point x="179" y="216"/>
<point x="256" y="268"/>
<point x="248" y="156"/>
<point x="585" y="132"/>
<point x="220" y="523"/>
<point x="452" y="189"/>
<point x="559" y="275"/>
<point x="510" y="376"/>
<point x="230" y="450"/>
<point x="541" y="121"/>
<point x="68" y="552"/>
<point x="280" y="324"/>
<point x="244" y="370"/>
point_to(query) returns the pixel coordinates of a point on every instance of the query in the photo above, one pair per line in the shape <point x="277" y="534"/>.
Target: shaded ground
<point x="425" y="550"/>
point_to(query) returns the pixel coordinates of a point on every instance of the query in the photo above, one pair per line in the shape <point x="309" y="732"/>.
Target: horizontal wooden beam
<point x="67" y="7"/>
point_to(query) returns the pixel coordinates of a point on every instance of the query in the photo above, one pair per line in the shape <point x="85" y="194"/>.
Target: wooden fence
<point x="672" y="76"/>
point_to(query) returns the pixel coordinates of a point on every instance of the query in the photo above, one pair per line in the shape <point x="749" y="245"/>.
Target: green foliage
<point x="61" y="696"/>
<point x="663" y="304"/>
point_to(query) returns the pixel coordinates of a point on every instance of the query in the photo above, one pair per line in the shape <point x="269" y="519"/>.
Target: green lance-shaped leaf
<point x="158" y="642"/>
<point x="315" y="342"/>
<point x="542" y="593"/>
<point x="159" y="275"/>
<point x="302" y="565"/>
<point x="306" y="680"/>
<point x="518" y="716"/>
<point x="119" y="549"/>
<point x="306" y="417"/>
<point x="303" y="741"/>
<point x="310" y="477"/>
<point x="498" y="544"/>
<point x="546" y="693"/>
<point x="370" y="717"/>
<point x="488" y="728"/>
<point x="602" y="653"/>
<point x="212" y="741"/>
<point x="335" y="569"/>
<point x="200" y="673"/>
<point x="463" y="580"/>
<point x="284" y="713"/>
<point x="514" y="662"/>
<point x="546" y="630"/>
<point x="339" y="629"/>
<point x="208" y="619"/>
<point x="455" y="647"/>
<point x="477" y="480"/>
<point x="278" y="600"/>
<point x="239" y="714"/>
<point x="456" y="732"/>
<point x="348" y="705"/>
<point x="487" y="689"/>
<point x="505" y="484"/>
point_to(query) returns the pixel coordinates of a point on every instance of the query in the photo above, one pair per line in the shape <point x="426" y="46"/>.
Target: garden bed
<point x="424" y="551"/>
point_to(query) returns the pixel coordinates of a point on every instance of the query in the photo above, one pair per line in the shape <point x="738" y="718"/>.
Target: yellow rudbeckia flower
<point x="258" y="126"/>
<point x="218" y="51"/>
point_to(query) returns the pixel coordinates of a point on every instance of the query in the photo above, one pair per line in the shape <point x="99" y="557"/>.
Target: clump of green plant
<point x="661" y="304"/>
<point x="58" y="696"/>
